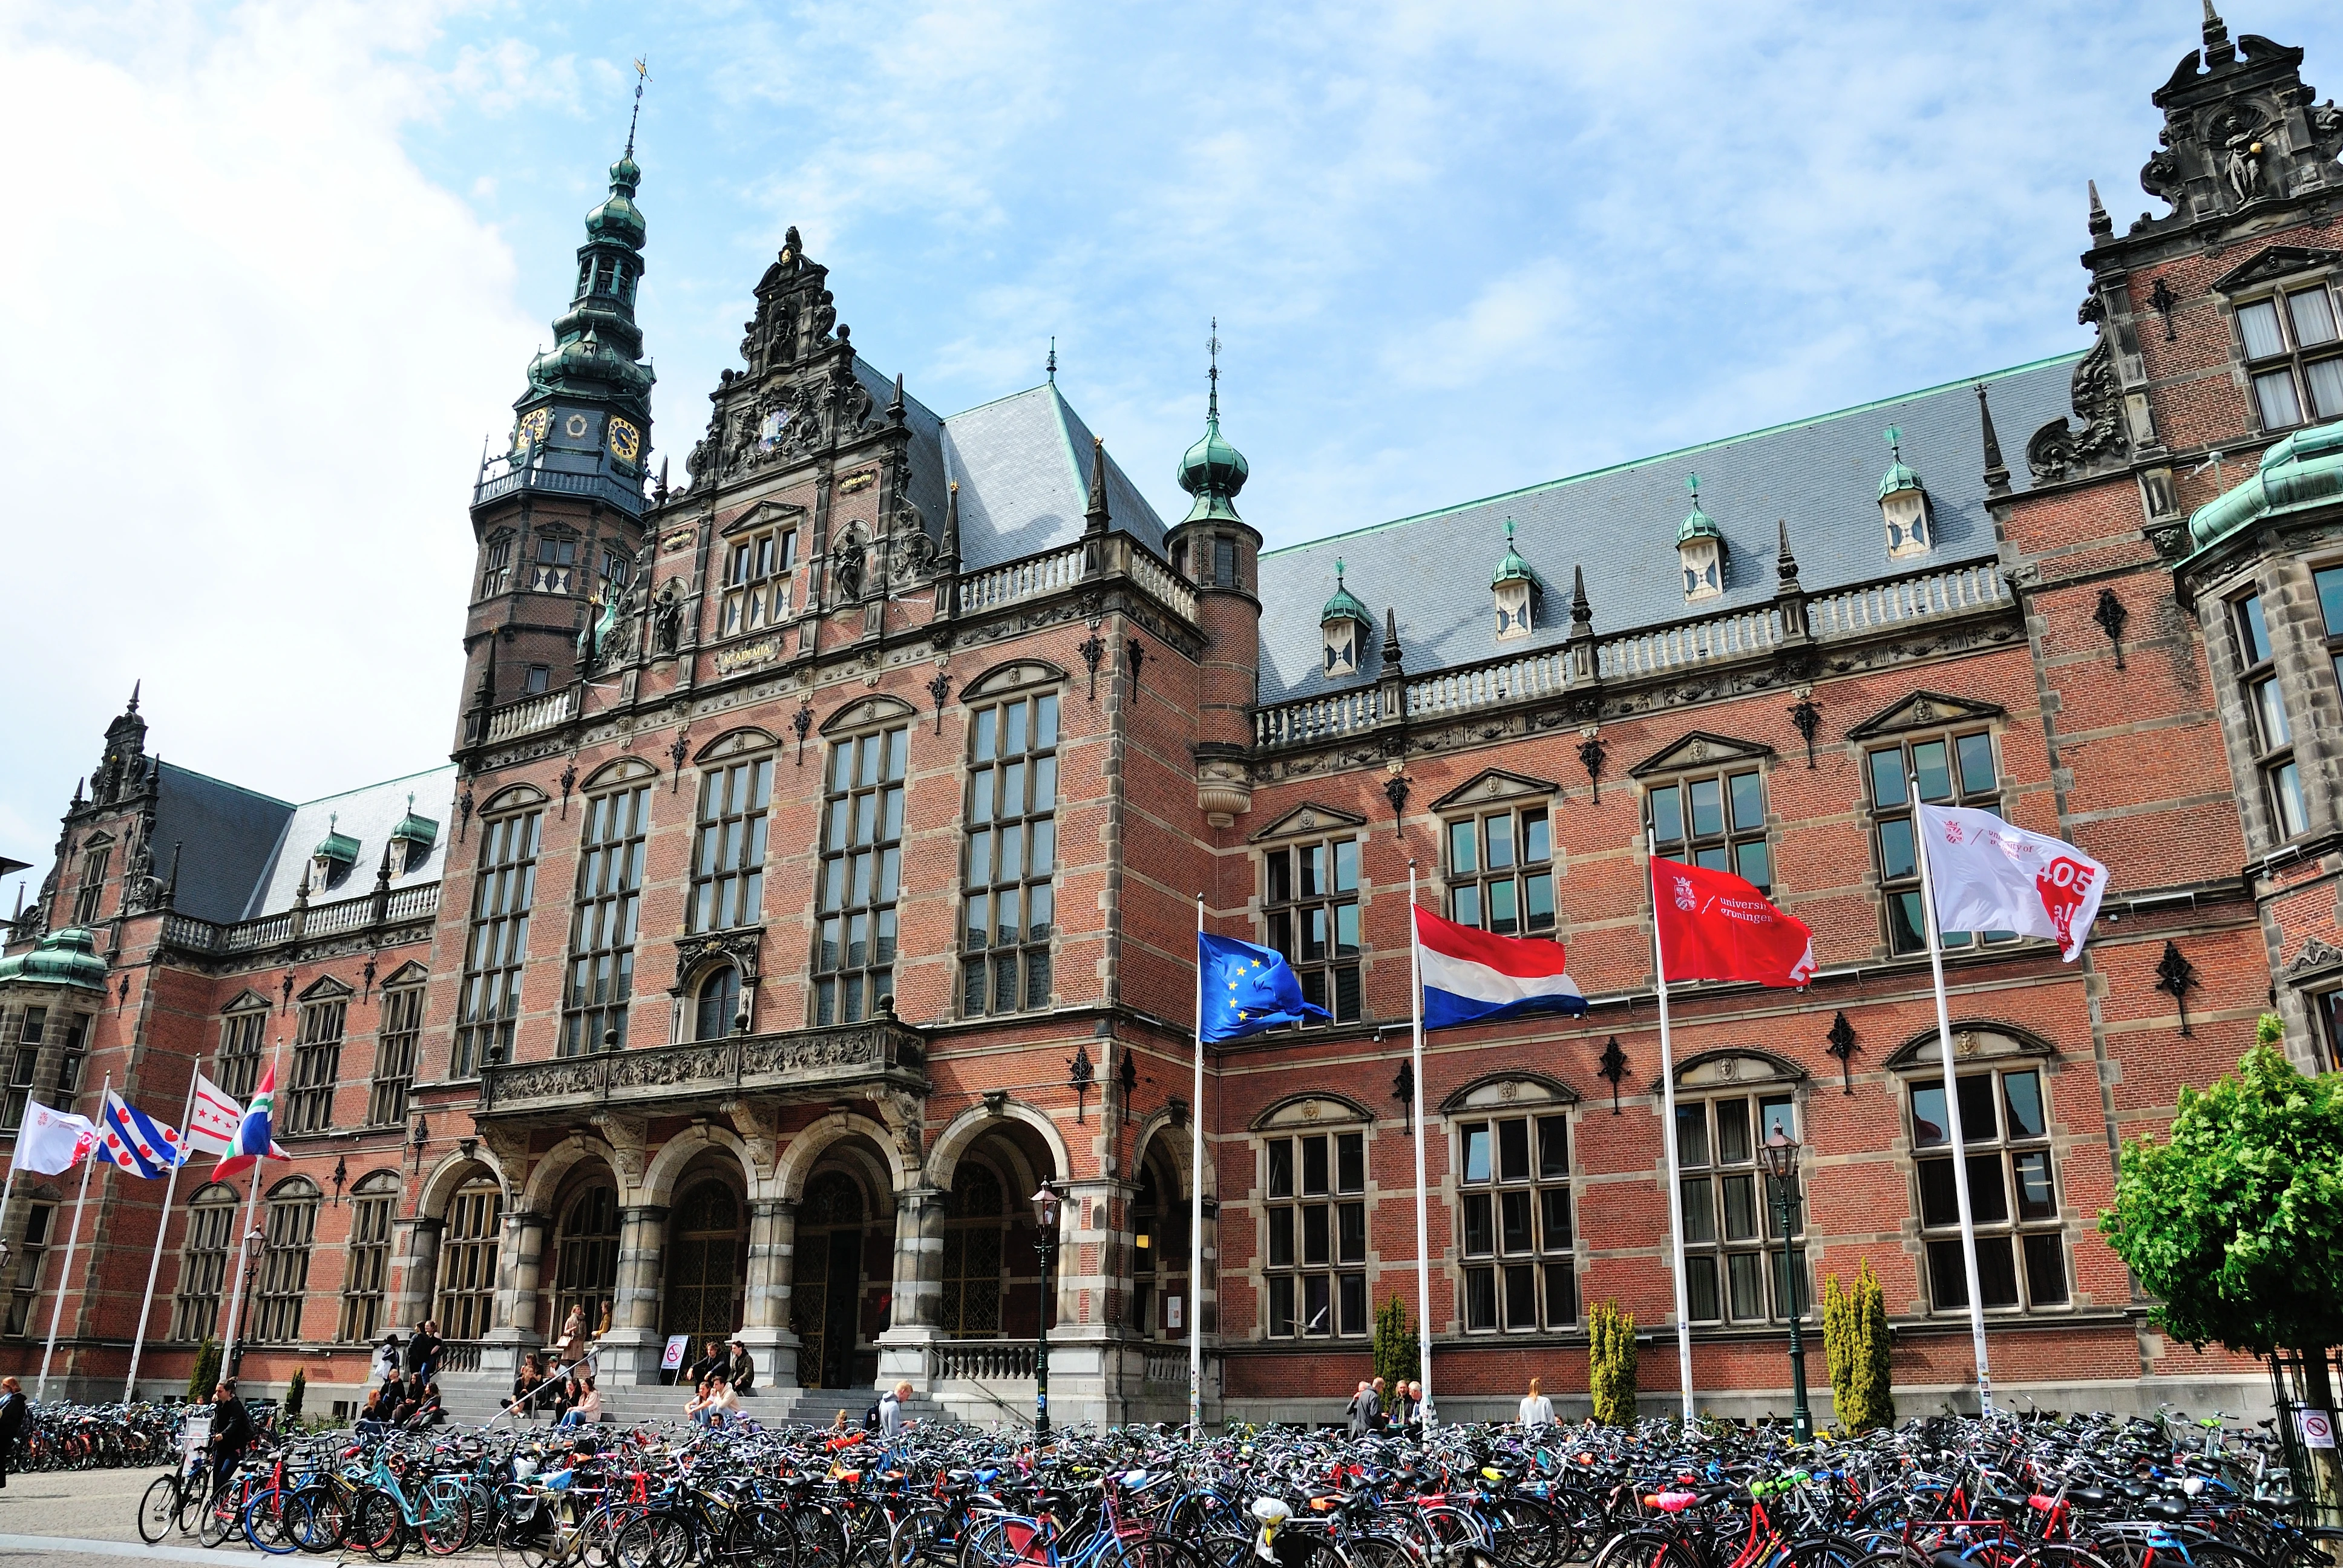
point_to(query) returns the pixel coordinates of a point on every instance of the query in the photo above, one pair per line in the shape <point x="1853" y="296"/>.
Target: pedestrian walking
<point x="1536" y="1409"/>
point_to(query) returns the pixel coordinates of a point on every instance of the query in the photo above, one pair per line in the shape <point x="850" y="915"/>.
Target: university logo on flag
<point x="1992" y="876"/>
<point x="1716" y="926"/>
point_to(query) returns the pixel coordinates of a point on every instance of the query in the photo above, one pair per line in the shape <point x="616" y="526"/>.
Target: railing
<point x="1157" y="577"/>
<point x="418" y="902"/>
<point x="1171" y="1366"/>
<point x="1020" y="579"/>
<point x="531" y="714"/>
<point x="1739" y="634"/>
<point x="980" y="1360"/>
<point x="628" y="498"/>
<point x="816" y="1061"/>
<point x="460" y="1355"/>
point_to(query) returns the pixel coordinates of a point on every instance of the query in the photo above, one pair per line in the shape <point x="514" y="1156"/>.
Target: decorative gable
<point x="870" y="711"/>
<point x="1493" y="784"/>
<point x="327" y="988"/>
<point x="2279" y="261"/>
<point x="1014" y="676"/>
<point x="1502" y="1091"/>
<point x="409" y="973"/>
<point x="1306" y="1112"/>
<point x="248" y="1000"/>
<point x="1923" y="711"/>
<point x="1701" y="749"/>
<point x="764" y="514"/>
<point x="1309" y="817"/>
<point x="736" y="743"/>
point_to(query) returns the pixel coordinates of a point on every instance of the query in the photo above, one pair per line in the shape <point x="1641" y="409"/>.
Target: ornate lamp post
<point x="258" y="1239"/>
<point x="1045" y="1242"/>
<point x="1781" y="1156"/>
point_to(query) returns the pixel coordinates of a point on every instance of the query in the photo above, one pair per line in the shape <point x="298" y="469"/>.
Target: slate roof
<point x="366" y="815"/>
<point x="1821" y="475"/>
<point x="226" y="833"/>
<point x="1024" y="464"/>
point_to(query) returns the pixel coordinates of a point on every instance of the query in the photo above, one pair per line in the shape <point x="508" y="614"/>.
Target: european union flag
<point x="1247" y="989"/>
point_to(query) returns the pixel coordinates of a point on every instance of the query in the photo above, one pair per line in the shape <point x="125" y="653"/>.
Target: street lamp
<point x="1045" y="1242"/>
<point x="1781" y="1156"/>
<point x="257" y="1241"/>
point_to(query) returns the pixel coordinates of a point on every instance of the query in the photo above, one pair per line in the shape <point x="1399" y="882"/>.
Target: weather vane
<point x="642" y="75"/>
<point x="1212" y="347"/>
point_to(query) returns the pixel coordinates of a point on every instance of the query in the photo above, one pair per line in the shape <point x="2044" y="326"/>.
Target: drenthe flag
<point x="254" y="1140"/>
<point x="137" y="1142"/>
<point x="1247" y="989"/>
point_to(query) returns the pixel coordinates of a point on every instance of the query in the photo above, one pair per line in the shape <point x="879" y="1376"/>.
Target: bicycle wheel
<point x="225" y="1515"/>
<point x="268" y="1522"/>
<point x="821" y="1540"/>
<point x="661" y="1540"/>
<point x="761" y="1537"/>
<point x="195" y="1496"/>
<point x="319" y="1520"/>
<point x="378" y="1525"/>
<point x="1373" y="1551"/>
<point x="443" y="1515"/>
<point x="1526" y="1532"/>
<point x="158" y="1505"/>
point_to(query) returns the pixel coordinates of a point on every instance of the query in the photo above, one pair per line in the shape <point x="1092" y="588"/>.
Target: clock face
<point x="532" y="428"/>
<point x="625" y="441"/>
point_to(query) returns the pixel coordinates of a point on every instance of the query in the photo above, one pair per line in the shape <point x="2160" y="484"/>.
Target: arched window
<point x="284" y="1265"/>
<point x="719" y="1003"/>
<point x="703" y="1263"/>
<point x="610" y="847"/>
<point x="372" y="1203"/>
<point x="586" y="1275"/>
<point x="502" y="895"/>
<point x="973" y="1234"/>
<point x="203" y="1262"/>
<point x="468" y="1260"/>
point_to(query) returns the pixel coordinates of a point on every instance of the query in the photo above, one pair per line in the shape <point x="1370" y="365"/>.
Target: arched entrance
<point x="976" y="1214"/>
<point x="1159" y="1248"/>
<point x="586" y="1251"/>
<point x="826" y="1308"/>
<point x="706" y="1261"/>
<point x="467" y="1259"/>
<point x="996" y="1272"/>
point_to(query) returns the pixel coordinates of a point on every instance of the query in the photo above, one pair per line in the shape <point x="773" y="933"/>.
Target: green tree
<point x="2235" y="1223"/>
<point x="205" y="1375"/>
<point x="1855" y="1342"/>
<point x="296" y="1391"/>
<point x="1611" y="1364"/>
<point x="1398" y="1349"/>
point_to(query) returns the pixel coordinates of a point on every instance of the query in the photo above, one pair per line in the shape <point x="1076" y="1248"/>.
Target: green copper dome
<point x="617" y="217"/>
<point x="2303" y="470"/>
<point x="336" y="846"/>
<point x="414" y="830"/>
<point x="1697" y="524"/>
<point x="1512" y="568"/>
<point x="1899" y="476"/>
<point x="1213" y="472"/>
<point x="68" y="956"/>
<point x="1343" y="606"/>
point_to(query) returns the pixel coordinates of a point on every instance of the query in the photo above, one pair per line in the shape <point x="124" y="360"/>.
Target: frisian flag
<point x="135" y="1141"/>
<point x="255" y="1139"/>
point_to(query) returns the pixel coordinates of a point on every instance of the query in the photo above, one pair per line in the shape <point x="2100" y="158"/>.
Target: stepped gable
<point x="1620" y="524"/>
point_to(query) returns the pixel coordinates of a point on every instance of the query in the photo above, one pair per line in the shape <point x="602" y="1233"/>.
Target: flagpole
<point x="1196" y="1207"/>
<point x="1668" y="1134"/>
<point x="251" y="1209"/>
<point x="162" y="1226"/>
<point x="1952" y="1102"/>
<point x="1426" y="1412"/>
<point x="64" y="1274"/>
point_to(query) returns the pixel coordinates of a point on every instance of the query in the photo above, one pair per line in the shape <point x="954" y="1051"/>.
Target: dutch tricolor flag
<point x="1472" y="977"/>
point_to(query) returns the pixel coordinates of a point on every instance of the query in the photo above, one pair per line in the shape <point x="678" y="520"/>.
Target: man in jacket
<point x="890" y="1408"/>
<point x="741" y="1371"/>
<point x="15" y="1410"/>
<point x="1362" y="1410"/>
<point x="232" y="1431"/>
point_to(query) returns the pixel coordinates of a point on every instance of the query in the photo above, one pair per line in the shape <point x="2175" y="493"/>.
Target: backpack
<point x="871" y="1417"/>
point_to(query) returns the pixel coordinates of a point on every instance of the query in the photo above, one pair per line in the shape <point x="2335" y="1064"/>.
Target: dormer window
<point x="336" y="853"/>
<point x="757" y="579"/>
<point x="1700" y="550"/>
<point x="1904" y="504"/>
<point x="1344" y="624"/>
<point x="1515" y="588"/>
<point x="411" y="841"/>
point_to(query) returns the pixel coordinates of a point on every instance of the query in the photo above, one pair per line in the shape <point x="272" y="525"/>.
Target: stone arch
<point x="679" y="1151"/>
<point x="798" y="1160"/>
<point x="746" y="739"/>
<point x="1179" y="1148"/>
<point x="1337" y="1110"/>
<point x="1921" y="1049"/>
<point x="451" y="1173"/>
<point x="1545" y="1089"/>
<point x="545" y="1177"/>
<point x="619" y="770"/>
<point x="876" y="709"/>
<point x="1013" y="674"/>
<point x="512" y="798"/>
<point x="1709" y="1070"/>
<point x="971" y="1124"/>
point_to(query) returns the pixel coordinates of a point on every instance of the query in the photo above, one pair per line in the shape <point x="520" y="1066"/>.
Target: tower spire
<point x="1213" y="398"/>
<point x="642" y="75"/>
<point x="1050" y="365"/>
<point x="1212" y="470"/>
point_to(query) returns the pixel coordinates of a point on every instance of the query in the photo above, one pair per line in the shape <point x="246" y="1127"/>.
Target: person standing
<point x="386" y="1359"/>
<point x="1362" y="1410"/>
<point x="1380" y="1419"/>
<point x="15" y="1410"/>
<point x="1402" y="1407"/>
<point x="1536" y="1409"/>
<point x="573" y="1337"/>
<point x="422" y="1351"/>
<point x="232" y="1431"/>
<point x="890" y="1408"/>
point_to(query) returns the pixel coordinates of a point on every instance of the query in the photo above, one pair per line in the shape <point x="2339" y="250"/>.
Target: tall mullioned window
<point x="31" y="1253"/>
<point x="317" y="1066"/>
<point x="502" y="894"/>
<point x="237" y="1066"/>
<point x="758" y="574"/>
<point x="610" y="847"/>
<point x="861" y="869"/>
<point x="2294" y="355"/>
<point x="467" y="1260"/>
<point x="366" y="1275"/>
<point x="2021" y="1247"/>
<point x="203" y="1262"/>
<point x="1310" y="912"/>
<point x="1948" y="770"/>
<point x="24" y="1061"/>
<point x="1501" y="871"/>
<point x="1011" y="855"/>
<point x="1513" y="1194"/>
<point x="1715" y="821"/>
<point x="394" y="1056"/>
<point x="284" y="1285"/>
<point x="93" y="886"/>
<point x="2273" y="736"/>
<point x="1317" y="1250"/>
<point x="728" y="862"/>
<point x="1733" y="1240"/>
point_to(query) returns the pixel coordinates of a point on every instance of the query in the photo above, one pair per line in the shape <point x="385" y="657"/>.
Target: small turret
<point x="1700" y="548"/>
<point x="1346" y="625"/>
<point x="1517" y="590"/>
<point x="1903" y="503"/>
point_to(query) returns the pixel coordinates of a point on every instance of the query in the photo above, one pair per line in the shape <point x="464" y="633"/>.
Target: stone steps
<point x="475" y="1399"/>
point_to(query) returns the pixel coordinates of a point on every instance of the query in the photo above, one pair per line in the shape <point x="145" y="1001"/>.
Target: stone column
<point x="520" y="1264"/>
<point x="919" y="1286"/>
<point x="1088" y="1369"/>
<point x="765" y="1316"/>
<point x="418" y="1268"/>
<point x="630" y="1351"/>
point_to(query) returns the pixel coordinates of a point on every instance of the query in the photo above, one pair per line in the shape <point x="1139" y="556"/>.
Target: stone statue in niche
<point x="846" y="568"/>
<point x="667" y="624"/>
<point x="2243" y="168"/>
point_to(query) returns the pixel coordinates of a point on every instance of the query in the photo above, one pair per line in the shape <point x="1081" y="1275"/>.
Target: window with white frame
<point x="1310" y="913"/>
<point x="495" y="565"/>
<point x="758" y="575"/>
<point x="24" y="1062"/>
<point x="728" y="862"/>
<point x="557" y="564"/>
<point x="2272" y="735"/>
<point x="1314" y="1218"/>
<point x="1515" y="1214"/>
<point x="73" y="1055"/>
<point x="31" y="1252"/>
<point x="1731" y="1231"/>
<point x="93" y="885"/>
<point x="2294" y="355"/>
<point x="1501" y="870"/>
<point x="2021" y="1243"/>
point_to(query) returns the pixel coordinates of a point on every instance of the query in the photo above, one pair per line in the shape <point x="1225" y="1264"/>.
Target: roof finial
<point x="2101" y="224"/>
<point x="1895" y="443"/>
<point x="1050" y="365"/>
<point x="642" y="75"/>
<point x="134" y="696"/>
<point x="1338" y="571"/>
<point x="1213" y="399"/>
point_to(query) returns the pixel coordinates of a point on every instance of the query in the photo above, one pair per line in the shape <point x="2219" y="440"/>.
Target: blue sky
<point x="280" y="268"/>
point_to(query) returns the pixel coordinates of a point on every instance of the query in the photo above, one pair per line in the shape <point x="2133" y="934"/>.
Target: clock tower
<point x="557" y="514"/>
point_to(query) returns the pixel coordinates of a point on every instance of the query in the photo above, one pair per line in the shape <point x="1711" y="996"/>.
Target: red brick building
<point x="818" y="867"/>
